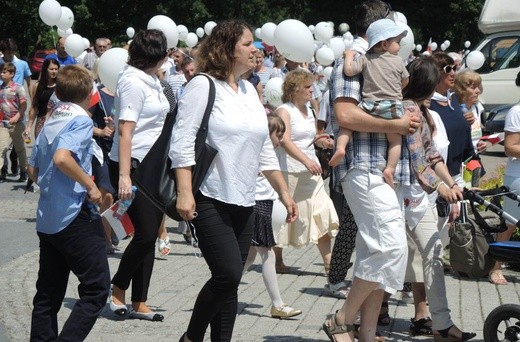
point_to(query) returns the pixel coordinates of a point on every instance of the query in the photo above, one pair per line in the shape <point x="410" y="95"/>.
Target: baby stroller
<point x="502" y="323"/>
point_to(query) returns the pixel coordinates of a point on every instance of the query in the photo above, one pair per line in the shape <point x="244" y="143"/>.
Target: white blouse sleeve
<point x="189" y="117"/>
<point x="268" y="158"/>
<point x="131" y="99"/>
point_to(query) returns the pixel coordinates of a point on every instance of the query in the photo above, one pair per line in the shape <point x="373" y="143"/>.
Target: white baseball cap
<point x="383" y="29"/>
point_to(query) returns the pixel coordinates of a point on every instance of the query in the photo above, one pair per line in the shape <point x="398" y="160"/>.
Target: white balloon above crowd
<point x="292" y="38"/>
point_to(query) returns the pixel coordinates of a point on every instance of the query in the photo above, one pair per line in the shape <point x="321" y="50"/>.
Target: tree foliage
<point x="455" y="20"/>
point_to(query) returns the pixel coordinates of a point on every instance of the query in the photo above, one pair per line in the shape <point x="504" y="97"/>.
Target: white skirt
<point x="316" y="213"/>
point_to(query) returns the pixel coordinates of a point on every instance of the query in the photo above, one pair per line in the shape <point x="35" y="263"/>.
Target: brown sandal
<point x="332" y="328"/>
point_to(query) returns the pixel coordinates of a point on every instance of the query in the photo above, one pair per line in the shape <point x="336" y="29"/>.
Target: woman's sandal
<point x="497" y="277"/>
<point x="384" y="317"/>
<point x="164" y="246"/>
<point x="421" y="326"/>
<point x="445" y="336"/>
<point x="331" y="328"/>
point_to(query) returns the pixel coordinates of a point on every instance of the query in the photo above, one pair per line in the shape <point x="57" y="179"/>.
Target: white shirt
<point x="303" y="132"/>
<point x="139" y="98"/>
<point x="512" y="125"/>
<point x="237" y="129"/>
<point x="264" y="190"/>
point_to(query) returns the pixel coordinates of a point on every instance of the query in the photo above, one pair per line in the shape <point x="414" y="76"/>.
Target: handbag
<point x="154" y="176"/>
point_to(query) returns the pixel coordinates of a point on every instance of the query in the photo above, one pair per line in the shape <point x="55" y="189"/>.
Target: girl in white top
<point x="318" y="221"/>
<point x="140" y="110"/>
<point x="222" y="210"/>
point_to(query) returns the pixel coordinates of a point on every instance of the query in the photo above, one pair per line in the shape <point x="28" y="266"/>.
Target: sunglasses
<point x="449" y="68"/>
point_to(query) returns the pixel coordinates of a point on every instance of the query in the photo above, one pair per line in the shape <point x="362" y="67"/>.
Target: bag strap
<point x="202" y="134"/>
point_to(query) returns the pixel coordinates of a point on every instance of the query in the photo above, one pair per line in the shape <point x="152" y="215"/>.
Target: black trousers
<point x="79" y="248"/>
<point x="224" y="234"/>
<point x="137" y="262"/>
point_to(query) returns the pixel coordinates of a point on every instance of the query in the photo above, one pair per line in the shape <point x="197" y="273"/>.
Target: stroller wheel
<point x="503" y="324"/>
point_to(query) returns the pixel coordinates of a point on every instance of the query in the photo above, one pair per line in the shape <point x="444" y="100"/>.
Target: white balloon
<point x="348" y="35"/>
<point x="273" y="91"/>
<point x="258" y="33"/>
<point x="343" y="27"/>
<point x="325" y="55"/>
<point x="200" y="32"/>
<point x="327" y="72"/>
<point x="50" y="12"/>
<point x="407" y="42"/>
<point x="167" y="26"/>
<point x="338" y="46"/>
<point x="323" y="31"/>
<point x="400" y="17"/>
<point x="66" y="18"/>
<point x="278" y="216"/>
<point x="268" y="33"/>
<point x="447" y="43"/>
<point x="209" y="26"/>
<point x="467" y="44"/>
<point x="443" y="47"/>
<point x="418" y="47"/>
<point x="191" y="39"/>
<point x="312" y="28"/>
<point x="110" y="64"/>
<point x="74" y="45"/>
<point x="434" y="46"/>
<point x="183" y="32"/>
<point x="64" y="33"/>
<point x="475" y="60"/>
<point x="130" y="32"/>
<point x="86" y="43"/>
<point x="294" y="41"/>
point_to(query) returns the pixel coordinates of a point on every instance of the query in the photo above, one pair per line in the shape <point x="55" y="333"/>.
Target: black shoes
<point x="23" y="177"/>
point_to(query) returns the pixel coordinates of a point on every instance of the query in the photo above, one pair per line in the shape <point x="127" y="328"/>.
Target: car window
<point x="501" y="53"/>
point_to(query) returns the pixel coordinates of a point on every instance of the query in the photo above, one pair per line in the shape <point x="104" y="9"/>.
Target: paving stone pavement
<point x="178" y="277"/>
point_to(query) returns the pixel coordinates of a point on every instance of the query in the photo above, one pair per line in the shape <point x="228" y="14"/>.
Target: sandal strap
<point x="335" y="328"/>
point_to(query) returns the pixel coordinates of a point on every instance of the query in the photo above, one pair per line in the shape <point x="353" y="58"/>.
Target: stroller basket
<point x="495" y="222"/>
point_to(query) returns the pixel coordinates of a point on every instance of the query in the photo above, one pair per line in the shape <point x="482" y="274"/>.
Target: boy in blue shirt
<point x="67" y="222"/>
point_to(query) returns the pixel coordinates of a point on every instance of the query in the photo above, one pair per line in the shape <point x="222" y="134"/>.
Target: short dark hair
<point x="215" y="55"/>
<point x="9" y="67"/>
<point x="187" y="60"/>
<point x="442" y="59"/>
<point x="368" y="12"/>
<point x="8" y="44"/>
<point x="148" y="48"/>
<point x="74" y="83"/>
<point x="424" y="77"/>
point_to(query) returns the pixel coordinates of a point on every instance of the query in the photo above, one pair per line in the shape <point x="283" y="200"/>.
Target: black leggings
<point x="137" y="261"/>
<point x="224" y="233"/>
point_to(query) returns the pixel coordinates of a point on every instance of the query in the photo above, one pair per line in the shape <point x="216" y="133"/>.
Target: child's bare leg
<point x="341" y="146"/>
<point x="394" y="153"/>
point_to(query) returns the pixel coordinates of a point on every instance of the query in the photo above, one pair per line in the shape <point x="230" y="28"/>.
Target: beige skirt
<point x="316" y="213"/>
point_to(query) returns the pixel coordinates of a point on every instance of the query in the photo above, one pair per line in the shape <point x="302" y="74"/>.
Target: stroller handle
<point x="478" y="197"/>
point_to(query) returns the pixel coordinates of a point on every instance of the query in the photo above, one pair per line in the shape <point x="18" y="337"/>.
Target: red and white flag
<point x="494" y="138"/>
<point x="94" y="100"/>
<point x="121" y="227"/>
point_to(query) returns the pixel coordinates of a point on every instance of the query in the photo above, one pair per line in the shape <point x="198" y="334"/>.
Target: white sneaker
<point x="339" y="290"/>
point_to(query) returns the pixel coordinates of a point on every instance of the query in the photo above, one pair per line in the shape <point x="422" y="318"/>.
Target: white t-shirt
<point x="303" y="132"/>
<point x="237" y="129"/>
<point x="512" y="125"/>
<point x="139" y="98"/>
<point x="264" y="190"/>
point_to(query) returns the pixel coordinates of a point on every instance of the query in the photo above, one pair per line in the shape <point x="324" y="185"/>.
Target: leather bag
<point x="154" y="176"/>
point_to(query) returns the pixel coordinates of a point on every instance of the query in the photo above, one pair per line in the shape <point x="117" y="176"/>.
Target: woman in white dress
<point x="318" y="221"/>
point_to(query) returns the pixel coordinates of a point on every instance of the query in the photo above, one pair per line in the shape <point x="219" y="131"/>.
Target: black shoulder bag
<point x="154" y="176"/>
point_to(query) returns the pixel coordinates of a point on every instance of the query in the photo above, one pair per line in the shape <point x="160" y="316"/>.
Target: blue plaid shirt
<point x="366" y="151"/>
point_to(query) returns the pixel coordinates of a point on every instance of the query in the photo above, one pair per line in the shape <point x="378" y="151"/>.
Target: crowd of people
<point x="401" y="134"/>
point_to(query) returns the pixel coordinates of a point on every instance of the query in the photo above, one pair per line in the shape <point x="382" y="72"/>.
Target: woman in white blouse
<point x="317" y="221"/>
<point x="222" y="210"/>
<point x="141" y="108"/>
